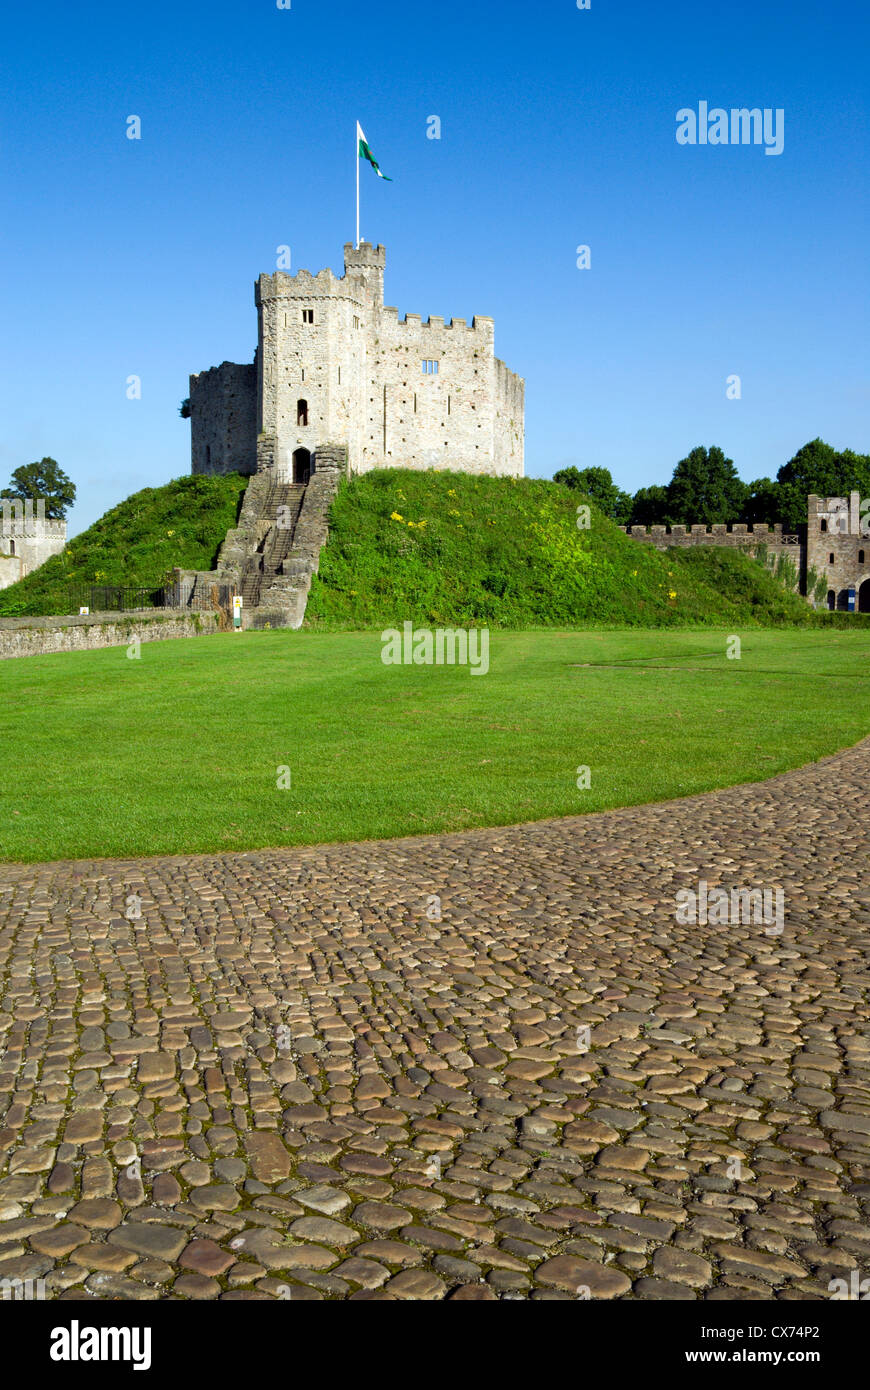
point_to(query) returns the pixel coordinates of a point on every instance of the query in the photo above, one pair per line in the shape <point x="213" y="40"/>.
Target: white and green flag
<point x="365" y="152"/>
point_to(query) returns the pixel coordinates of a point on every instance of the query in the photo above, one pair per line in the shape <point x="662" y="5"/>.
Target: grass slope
<point x="180" y="750"/>
<point x="442" y="548"/>
<point x="137" y="542"/>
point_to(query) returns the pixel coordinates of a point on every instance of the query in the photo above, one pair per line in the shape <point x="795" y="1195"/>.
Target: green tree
<point x="705" y="488"/>
<point x="598" y="484"/>
<point x="45" y="480"/>
<point x="649" y="506"/>
<point x="763" y="505"/>
<point x="817" y="467"/>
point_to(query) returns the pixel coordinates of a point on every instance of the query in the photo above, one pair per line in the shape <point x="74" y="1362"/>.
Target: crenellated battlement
<point x="298" y="286"/>
<point x="20" y="518"/>
<point x="335" y="363"/>
<point x="718" y="533"/>
<point x="481" y="325"/>
<point x="27" y="538"/>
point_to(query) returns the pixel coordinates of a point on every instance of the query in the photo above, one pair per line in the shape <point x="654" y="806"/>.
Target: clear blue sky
<point x="558" y="129"/>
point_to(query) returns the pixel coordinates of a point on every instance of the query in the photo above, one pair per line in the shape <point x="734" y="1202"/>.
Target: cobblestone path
<point x="285" y="1079"/>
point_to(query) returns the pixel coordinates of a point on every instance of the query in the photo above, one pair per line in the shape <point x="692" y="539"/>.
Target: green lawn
<point x="180" y="750"/>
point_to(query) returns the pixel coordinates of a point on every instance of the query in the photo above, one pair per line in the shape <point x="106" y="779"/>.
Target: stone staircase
<point x="276" y="525"/>
<point x="270" y="556"/>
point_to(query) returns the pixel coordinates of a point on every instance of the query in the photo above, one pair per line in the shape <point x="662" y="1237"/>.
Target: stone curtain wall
<point x="719" y="534"/>
<point x="42" y="636"/>
<point x="736" y="537"/>
<point x="223" y="419"/>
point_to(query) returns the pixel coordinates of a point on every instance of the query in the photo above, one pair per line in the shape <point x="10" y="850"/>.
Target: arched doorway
<point x="832" y="599"/>
<point x="301" y="465"/>
<point x="864" y="597"/>
<point x="843" y="601"/>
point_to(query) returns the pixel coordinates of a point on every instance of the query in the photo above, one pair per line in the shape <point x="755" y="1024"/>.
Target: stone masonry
<point x="271" y="555"/>
<point x="835" y="545"/>
<point x="335" y="365"/>
<point x="272" y="1076"/>
<point x="27" y="539"/>
<point x="838" y="547"/>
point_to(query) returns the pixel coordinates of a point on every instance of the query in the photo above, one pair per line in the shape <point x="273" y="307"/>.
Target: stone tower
<point x="26" y="539"/>
<point x="838" y="547"/>
<point x="335" y="366"/>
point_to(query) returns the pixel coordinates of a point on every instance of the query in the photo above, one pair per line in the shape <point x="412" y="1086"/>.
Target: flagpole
<point x="356" y="160"/>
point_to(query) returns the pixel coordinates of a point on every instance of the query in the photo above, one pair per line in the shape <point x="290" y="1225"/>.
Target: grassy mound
<point x="137" y="543"/>
<point x="449" y="548"/>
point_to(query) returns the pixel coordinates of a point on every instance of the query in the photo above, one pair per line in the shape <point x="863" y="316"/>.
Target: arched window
<point x="11" y="547"/>
<point x="860" y="557"/>
<point x="301" y="413"/>
<point x="824" y="526"/>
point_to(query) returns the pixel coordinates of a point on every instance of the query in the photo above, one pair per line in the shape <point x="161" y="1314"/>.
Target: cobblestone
<point x="291" y="1072"/>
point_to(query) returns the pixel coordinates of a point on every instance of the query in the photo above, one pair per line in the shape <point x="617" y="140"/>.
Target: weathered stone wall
<point x="836" y="548"/>
<point x="443" y="419"/>
<point x="321" y="363"/>
<point x="776" y="542"/>
<point x="11" y="569"/>
<point x="735" y="536"/>
<point x="334" y="363"/>
<point x="510" y="411"/>
<point x="223" y="419"/>
<point x="41" y="636"/>
<point x="27" y="539"/>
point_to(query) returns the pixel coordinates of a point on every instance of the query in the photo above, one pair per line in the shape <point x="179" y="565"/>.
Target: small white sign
<point x="84" y="612"/>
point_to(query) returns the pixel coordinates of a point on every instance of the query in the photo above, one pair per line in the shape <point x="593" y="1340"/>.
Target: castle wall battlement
<point x="334" y="364"/>
<point x="302" y="285"/>
<point x="716" y="534"/>
<point x="481" y="325"/>
<point x="27" y="538"/>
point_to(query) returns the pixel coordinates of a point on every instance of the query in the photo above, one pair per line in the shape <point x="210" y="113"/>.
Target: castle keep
<point x="335" y="366"/>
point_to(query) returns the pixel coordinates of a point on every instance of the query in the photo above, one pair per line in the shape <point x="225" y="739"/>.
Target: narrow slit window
<point x="301" y="413"/>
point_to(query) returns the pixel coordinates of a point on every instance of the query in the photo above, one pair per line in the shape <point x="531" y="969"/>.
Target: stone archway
<point x="301" y="465"/>
<point x="863" y="604"/>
